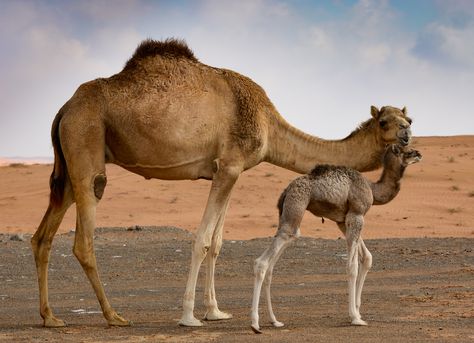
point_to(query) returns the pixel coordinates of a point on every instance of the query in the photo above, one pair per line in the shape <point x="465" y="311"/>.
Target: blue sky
<point x="322" y="63"/>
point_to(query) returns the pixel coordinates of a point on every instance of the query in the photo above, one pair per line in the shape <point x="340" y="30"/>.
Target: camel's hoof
<point x="277" y="324"/>
<point x="116" y="320"/>
<point x="256" y="329"/>
<point x="54" y="322"/>
<point x="217" y="315"/>
<point x="190" y="321"/>
<point x="359" y="322"/>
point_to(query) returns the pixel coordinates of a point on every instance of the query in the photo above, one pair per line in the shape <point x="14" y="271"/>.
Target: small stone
<point x="18" y="237"/>
<point x="135" y="228"/>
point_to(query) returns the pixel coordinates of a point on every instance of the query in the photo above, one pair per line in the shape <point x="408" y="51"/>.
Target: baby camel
<point x="344" y="196"/>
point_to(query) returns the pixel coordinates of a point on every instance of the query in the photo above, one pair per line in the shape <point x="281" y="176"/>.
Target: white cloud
<point x="318" y="37"/>
<point x="44" y="65"/>
<point x="451" y="45"/>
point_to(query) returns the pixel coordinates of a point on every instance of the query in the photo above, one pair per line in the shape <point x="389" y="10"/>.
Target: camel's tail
<point x="281" y="201"/>
<point x="57" y="181"/>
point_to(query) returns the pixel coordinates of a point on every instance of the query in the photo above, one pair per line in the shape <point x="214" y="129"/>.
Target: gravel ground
<point x="419" y="290"/>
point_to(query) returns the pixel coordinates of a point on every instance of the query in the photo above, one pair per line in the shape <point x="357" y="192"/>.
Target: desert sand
<point x="436" y="199"/>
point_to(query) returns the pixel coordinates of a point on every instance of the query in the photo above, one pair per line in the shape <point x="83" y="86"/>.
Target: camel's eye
<point x="383" y="124"/>
<point x="409" y="120"/>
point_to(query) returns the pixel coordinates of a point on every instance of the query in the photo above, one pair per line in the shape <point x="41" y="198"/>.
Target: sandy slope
<point x="436" y="199"/>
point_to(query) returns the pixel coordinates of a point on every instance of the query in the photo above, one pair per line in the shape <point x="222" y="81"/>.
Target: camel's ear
<point x="404" y="110"/>
<point x="374" y="111"/>
<point x="396" y="149"/>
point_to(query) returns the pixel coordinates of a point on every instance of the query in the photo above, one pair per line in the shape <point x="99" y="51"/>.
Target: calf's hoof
<point x="359" y="322"/>
<point x="190" y="321"/>
<point x="277" y="324"/>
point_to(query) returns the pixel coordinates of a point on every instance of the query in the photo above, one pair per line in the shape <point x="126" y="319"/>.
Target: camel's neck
<point x="292" y="149"/>
<point x="388" y="186"/>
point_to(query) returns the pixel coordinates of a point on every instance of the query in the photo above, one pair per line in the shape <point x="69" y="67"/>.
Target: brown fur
<point x="170" y="48"/>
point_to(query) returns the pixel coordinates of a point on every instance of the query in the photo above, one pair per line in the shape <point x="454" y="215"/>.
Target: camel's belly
<point x="328" y="210"/>
<point x="186" y="170"/>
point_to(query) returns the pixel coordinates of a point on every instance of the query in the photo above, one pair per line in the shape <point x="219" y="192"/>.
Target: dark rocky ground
<point x="419" y="290"/>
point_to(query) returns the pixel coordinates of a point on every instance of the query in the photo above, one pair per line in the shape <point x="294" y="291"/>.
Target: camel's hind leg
<point x="263" y="270"/>
<point x="85" y="158"/>
<point x="87" y="193"/>
<point x="41" y="244"/>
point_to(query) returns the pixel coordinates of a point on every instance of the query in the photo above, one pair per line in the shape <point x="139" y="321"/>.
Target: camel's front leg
<point x="223" y="181"/>
<point x="354" y="225"/>
<point x="213" y="312"/>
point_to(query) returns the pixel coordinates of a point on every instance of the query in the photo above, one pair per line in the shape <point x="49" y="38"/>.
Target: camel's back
<point x="163" y="86"/>
<point x="166" y="110"/>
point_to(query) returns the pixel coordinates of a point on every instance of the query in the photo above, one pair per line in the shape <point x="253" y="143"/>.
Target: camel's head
<point x="393" y="124"/>
<point x="401" y="155"/>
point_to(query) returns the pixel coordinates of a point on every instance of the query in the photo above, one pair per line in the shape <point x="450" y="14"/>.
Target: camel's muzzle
<point x="404" y="137"/>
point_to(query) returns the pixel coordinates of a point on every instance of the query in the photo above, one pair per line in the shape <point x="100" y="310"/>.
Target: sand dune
<point x="436" y="199"/>
<point x="28" y="161"/>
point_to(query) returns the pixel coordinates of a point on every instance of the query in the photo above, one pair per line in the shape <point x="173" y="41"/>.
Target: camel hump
<point x="171" y="48"/>
<point x="335" y="173"/>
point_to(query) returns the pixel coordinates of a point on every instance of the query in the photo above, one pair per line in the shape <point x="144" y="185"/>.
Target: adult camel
<point x="168" y="116"/>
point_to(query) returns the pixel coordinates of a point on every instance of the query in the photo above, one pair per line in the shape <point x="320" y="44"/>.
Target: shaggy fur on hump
<point x="323" y="170"/>
<point x="170" y="47"/>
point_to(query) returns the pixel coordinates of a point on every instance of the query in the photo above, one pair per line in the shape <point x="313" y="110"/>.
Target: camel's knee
<point x="367" y="260"/>
<point x="84" y="256"/>
<point x="352" y="269"/>
<point x="34" y="243"/>
<point x="260" y="268"/>
<point x="215" y="248"/>
<point x="100" y="181"/>
<point x="287" y="232"/>
<point x="40" y="246"/>
<point x="200" y="249"/>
